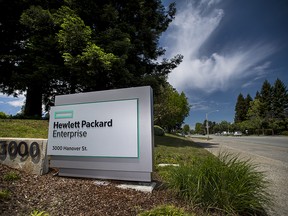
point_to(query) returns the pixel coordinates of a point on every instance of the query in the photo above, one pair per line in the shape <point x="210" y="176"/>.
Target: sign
<point x="103" y="134"/>
<point x="101" y="129"/>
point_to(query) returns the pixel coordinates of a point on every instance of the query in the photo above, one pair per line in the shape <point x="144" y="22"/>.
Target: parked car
<point x="237" y="133"/>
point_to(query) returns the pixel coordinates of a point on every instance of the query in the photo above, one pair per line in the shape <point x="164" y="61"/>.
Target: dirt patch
<point x="76" y="196"/>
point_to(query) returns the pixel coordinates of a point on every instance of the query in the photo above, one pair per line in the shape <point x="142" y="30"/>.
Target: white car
<point x="237" y="133"/>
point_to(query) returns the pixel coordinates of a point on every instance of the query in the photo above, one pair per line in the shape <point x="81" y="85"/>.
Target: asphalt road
<point x="270" y="153"/>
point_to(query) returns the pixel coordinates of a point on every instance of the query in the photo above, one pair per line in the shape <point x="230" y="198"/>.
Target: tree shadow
<point x="204" y="144"/>
<point x="174" y="141"/>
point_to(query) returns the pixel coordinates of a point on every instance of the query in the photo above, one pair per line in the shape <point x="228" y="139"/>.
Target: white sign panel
<point x="101" y="129"/>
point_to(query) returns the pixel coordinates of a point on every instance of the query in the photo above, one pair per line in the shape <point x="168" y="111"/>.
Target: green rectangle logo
<point x="63" y="114"/>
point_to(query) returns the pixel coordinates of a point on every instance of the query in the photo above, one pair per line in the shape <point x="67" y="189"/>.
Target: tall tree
<point x="280" y="100"/>
<point x="72" y="46"/>
<point x="240" y="109"/>
<point x="257" y="96"/>
<point x="266" y="100"/>
<point x="41" y="61"/>
<point x="248" y="99"/>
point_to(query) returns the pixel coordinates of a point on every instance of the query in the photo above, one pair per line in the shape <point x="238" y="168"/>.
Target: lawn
<point x="24" y="128"/>
<point x="171" y="149"/>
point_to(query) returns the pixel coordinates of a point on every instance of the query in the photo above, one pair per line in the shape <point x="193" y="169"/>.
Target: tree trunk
<point x="33" y="105"/>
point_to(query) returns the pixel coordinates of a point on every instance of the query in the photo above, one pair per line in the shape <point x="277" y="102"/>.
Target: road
<point x="270" y="153"/>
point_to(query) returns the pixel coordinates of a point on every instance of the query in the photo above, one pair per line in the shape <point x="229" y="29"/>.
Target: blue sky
<point x="229" y="47"/>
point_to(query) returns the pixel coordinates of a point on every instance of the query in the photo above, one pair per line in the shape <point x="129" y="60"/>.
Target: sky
<point x="229" y="47"/>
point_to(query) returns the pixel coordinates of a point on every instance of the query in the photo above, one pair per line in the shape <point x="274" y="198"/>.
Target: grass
<point x="39" y="213"/>
<point x="173" y="149"/>
<point x="4" y="194"/>
<point x="11" y="176"/>
<point x="224" y="183"/>
<point x="24" y="128"/>
<point x="166" y="210"/>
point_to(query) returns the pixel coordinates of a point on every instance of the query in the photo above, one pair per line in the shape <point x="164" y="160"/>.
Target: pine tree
<point x="280" y="100"/>
<point x="248" y="99"/>
<point x="266" y="100"/>
<point x="257" y="96"/>
<point x="240" y="109"/>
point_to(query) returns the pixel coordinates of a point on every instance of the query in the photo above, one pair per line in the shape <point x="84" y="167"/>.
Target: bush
<point x="224" y="183"/>
<point x="284" y="133"/>
<point x="158" y="131"/>
<point x="3" y="115"/>
<point x="166" y="210"/>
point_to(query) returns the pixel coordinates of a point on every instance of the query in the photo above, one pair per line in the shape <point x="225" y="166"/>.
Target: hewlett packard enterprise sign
<point x="104" y="134"/>
<point x="100" y="129"/>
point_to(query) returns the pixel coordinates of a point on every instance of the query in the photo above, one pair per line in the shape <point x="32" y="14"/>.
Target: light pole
<point x="207" y="125"/>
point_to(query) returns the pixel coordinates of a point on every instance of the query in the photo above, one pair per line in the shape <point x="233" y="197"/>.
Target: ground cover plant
<point x="4" y="194"/>
<point x="11" y="176"/>
<point x="166" y="210"/>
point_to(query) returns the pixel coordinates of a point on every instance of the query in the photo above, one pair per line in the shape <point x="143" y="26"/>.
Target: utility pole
<point x="207" y="124"/>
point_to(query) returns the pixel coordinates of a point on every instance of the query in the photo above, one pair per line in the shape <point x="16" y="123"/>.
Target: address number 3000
<point x="21" y="149"/>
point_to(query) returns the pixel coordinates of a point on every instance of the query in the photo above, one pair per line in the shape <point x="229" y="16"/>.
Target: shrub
<point x="166" y="210"/>
<point x="158" y="131"/>
<point x="284" y="133"/>
<point x="224" y="183"/>
<point x="3" y="115"/>
<point x="11" y="176"/>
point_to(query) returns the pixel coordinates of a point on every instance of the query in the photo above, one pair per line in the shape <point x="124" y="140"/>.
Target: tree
<point x="246" y="125"/>
<point x="71" y="46"/>
<point x="223" y="126"/>
<point x="254" y="114"/>
<point x="171" y="108"/>
<point x="257" y="96"/>
<point x="41" y="62"/>
<point x="248" y="99"/>
<point x="268" y="111"/>
<point x="199" y="128"/>
<point x="279" y="106"/>
<point x="266" y="95"/>
<point x="280" y="100"/>
<point x="240" y="109"/>
<point x="186" y="129"/>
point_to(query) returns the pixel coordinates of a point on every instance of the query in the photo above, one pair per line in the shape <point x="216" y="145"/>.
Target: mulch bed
<point x="77" y="196"/>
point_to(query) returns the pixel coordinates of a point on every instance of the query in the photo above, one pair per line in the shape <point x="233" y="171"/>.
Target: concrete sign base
<point x="25" y="154"/>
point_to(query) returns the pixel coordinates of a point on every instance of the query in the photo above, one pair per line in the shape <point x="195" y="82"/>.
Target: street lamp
<point x="207" y="125"/>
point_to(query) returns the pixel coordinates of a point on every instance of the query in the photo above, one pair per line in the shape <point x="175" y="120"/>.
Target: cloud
<point x="192" y="28"/>
<point x="3" y="96"/>
<point x="16" y="103"/>
<point x="199" y="106"/>
<point x="12" y="101"/>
